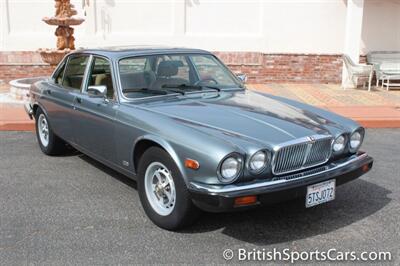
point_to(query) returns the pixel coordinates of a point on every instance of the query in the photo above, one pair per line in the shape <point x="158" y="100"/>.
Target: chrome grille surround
<point x="301" y="154"/>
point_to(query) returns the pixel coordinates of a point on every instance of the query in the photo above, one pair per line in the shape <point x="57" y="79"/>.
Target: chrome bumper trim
<point x="28" y="110"/>
<point x="212" y="189"/>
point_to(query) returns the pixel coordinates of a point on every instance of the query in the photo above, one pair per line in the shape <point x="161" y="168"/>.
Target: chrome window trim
<point x="58" y="68"/>
<point x="70" y="57"/>
<point x="123" y="98"/>
<point x="302" y="140"/>
<point x="92" y="61"/>
<point x="63" y="61"/>
<point x="85" y="80"/>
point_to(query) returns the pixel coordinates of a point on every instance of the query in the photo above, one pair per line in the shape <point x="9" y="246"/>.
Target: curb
<point x="370" y="116"/>
<point x="383" y="123"/>
<point x="17" y="126"/>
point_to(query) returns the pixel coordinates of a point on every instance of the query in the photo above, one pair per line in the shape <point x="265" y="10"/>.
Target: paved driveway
<point x="71" y="209"/>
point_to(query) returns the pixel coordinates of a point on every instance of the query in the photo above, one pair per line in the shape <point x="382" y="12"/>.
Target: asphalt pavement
<point x="73" y="210"/>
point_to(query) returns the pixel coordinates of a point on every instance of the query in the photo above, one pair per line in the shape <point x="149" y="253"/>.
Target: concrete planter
<point x="19" y="88"/>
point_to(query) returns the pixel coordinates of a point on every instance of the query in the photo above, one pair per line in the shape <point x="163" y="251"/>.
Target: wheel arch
<point x="145" y="142"/>
<point x="35" y="107"/>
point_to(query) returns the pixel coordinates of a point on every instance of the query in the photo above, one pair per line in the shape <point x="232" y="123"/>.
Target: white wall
<point x="272" y="26"/>
<point x="381" y="26"/>
<point x="21" y="27"/>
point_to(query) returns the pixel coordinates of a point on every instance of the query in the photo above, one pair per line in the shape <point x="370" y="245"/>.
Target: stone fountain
<point x="64" y="19"/>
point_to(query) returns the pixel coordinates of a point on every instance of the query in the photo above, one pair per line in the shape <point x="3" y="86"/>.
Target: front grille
<point x="302" y="155"/>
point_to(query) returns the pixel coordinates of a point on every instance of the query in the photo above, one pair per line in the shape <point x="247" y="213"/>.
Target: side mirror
<point x="97" y="91"/>
<point x="242" y="77"/>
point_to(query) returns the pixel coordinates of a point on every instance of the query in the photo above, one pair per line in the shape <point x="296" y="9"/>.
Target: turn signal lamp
<point x="246" y="200"/>
<point x="192" y="164"/>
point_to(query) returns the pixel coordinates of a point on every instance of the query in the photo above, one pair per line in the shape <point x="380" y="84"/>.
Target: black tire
<point x="184" y="212"/>
<point x="55" y="145"/>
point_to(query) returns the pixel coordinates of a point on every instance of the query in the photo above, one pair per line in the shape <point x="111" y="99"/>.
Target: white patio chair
<point x="358" y="71"/>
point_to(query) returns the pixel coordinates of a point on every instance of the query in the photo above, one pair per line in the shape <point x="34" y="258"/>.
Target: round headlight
<point x="355" y="141"/>
<point x="339" y="144"/>
<point x="230" y="169"/>
<point x="258" y="161"/>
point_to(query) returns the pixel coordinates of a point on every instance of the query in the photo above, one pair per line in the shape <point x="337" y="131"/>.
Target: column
<point x="4" y="27"/>
<point x="352" y="43"/>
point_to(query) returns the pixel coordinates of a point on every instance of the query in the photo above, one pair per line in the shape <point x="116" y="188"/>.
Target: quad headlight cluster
<point x="339" y="144"/>
<point x="356" y="140"/>
<point x="353" y="142"/>
<point x="231" y="167"/>
<point x="258" y="161"/>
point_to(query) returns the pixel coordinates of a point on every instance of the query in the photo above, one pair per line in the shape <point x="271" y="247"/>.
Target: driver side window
<point x="101" y="75"/>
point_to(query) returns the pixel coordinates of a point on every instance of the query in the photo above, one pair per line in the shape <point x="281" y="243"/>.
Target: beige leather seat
<point x="137" y="80"/>
<point x="106" y="80"/>
<point x="166" y="71"/>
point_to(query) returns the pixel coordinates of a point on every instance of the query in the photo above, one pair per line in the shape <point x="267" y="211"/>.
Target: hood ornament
<point x="311" y="139"/>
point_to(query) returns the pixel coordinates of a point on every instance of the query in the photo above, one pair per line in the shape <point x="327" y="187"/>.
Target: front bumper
<point x="218" y="198"/>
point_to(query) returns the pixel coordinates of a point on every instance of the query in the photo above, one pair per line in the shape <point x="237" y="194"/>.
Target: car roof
<point x="123" y="51"/>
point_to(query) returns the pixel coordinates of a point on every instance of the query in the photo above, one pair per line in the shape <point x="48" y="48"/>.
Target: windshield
<point x="153" y="75"/>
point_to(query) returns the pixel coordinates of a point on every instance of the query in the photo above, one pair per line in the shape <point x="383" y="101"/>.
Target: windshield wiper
<point x="211" y="87"/>
<point x="197" y="87"/>
<point x="174" y="90"/>
<point x="150" y="90"/>
<point x="147" y="90"/>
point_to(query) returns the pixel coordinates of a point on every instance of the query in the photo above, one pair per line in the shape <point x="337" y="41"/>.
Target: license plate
<point x="320" y="193"/>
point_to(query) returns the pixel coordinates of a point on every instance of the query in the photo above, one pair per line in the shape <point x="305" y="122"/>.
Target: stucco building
<point x="270" y="40"/>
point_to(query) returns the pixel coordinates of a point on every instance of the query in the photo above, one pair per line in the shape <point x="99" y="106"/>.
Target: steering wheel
<point x="205" y="80"/>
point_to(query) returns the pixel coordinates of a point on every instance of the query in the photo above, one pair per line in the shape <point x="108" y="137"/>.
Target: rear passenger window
<point x="58" y="76"/>
<point x="101" y="75"/>
<point x="75" y="71"/>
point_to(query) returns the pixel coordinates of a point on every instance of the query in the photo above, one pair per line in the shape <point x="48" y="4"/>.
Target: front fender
<point x="165" y="145"/>
<point x="36" y="105"/>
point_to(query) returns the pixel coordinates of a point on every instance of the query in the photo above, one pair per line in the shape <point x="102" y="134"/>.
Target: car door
<point x="58" y="97"/>
<point x="96" y="113"/>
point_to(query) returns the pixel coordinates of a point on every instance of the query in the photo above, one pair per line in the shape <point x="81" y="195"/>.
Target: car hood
<point x="245" y="114"/>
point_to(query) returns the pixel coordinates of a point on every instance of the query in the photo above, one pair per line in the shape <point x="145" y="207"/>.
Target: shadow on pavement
<point x="290" y="221"/>
<point x="286" y="221"/>
<point x="120" y="177"/>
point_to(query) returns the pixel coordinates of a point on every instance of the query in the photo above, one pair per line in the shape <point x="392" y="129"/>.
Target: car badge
<point x="311" y="139"/>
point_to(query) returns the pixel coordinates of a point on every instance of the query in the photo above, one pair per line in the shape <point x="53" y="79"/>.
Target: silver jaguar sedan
<point x="181" y="124"/>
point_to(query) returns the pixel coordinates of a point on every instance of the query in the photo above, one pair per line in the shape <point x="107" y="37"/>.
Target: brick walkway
<point x="379" y="108"/>
<point x="332" y="95"/>
<point x="376" y="109"/>
<point x="13" y="117"/>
